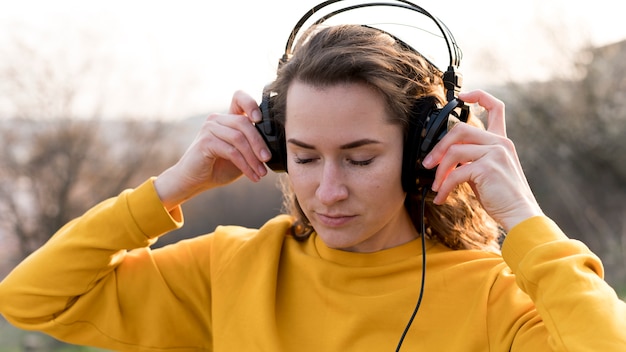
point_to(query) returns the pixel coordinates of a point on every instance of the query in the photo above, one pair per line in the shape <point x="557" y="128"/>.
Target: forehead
<point x="345" y="106"/>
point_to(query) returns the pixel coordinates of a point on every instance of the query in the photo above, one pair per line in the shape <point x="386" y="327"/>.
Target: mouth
<point x="334" y="220"/>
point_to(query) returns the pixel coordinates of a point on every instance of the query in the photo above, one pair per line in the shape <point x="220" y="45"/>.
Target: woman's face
<point x="344" y="162"/>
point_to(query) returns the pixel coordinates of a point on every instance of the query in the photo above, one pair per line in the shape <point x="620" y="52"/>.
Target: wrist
<point x="166" y="190"/>
<point x="520" y="215"/>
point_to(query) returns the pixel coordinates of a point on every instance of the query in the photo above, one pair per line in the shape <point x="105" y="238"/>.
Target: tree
<point x="54" y="170"/>
<point x="59" y="155"/>
<point x="570" y="138"/>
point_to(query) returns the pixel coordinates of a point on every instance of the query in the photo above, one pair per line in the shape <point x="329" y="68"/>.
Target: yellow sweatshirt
<point x="97" y="282"/>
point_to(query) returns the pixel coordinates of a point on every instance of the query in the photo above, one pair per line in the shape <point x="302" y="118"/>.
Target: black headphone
<point x="428" y="121"/>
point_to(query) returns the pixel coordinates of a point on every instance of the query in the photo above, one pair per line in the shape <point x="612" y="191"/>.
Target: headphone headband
<point x="454" y="52"/>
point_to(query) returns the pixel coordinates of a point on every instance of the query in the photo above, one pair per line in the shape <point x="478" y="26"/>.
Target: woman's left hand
<point x="487" y="160"/>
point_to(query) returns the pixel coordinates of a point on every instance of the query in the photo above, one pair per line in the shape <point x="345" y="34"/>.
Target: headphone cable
<point x="421" y="294"/>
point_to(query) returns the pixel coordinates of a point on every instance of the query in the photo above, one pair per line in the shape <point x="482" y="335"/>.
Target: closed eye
<point x="361" y="162"/>
<point x="302" y="160"/>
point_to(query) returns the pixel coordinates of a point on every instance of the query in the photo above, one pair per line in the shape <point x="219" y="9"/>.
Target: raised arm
<point x="96" y="281"/>
<point x="563" y="278"/>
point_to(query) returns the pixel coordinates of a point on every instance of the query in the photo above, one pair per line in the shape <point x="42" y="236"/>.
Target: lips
<point x="334" y="220"/>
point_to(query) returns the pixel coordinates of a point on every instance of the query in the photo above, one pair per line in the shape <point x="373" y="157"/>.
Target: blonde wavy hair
<point x="353" y="53"/>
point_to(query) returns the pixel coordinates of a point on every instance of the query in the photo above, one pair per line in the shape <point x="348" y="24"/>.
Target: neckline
<point x="409" y="250"/>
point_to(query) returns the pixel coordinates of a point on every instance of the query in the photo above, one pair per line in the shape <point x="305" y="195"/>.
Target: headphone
<point x="428" y="120"/>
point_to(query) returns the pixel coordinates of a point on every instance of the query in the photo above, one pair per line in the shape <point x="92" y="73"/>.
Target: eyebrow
<point x="351" y="145"/>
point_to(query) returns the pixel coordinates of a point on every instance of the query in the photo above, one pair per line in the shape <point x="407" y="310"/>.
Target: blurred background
<point x="97" y="96"/>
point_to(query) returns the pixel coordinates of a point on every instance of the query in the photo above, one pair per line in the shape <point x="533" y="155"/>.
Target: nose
<point x="332" y="187"/>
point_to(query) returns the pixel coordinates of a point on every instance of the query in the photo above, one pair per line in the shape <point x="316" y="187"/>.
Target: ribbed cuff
<point x="148" y="211"/>
<point x="526" y="236"/>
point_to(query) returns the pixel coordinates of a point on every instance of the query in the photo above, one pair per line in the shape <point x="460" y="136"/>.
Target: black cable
<point x="421" y="295"/>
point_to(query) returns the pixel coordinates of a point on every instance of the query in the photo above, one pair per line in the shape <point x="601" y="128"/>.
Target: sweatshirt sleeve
<point x="96" y="282"/>
<point x="564" y="279"/>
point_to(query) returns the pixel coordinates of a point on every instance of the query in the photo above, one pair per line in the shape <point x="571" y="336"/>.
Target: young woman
<point x="345" y="270"/>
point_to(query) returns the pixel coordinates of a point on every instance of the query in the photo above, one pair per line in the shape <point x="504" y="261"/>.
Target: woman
<point x="345" y="271"/>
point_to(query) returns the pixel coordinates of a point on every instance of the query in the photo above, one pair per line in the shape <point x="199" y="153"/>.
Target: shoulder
<point x="235" y="238"/>
<point x="277" y="226"/>
<point x="236" y="250"/>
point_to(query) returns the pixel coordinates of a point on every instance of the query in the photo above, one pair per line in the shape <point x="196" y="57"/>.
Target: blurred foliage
<point x="570" y="138"/>
<point x="53" y="170"/>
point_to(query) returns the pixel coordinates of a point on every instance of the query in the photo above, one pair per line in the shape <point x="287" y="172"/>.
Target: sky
<point x="182" y="58"/>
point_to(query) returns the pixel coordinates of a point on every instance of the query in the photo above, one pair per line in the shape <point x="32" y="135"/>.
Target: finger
<point x="227" y="152"/>
<point x="243" y="104"/>
<point x="238" y="132"/>
<point x="457" y="155"/>
<point x="495" y="109"/>
<point x="461" y="134"/>
<point x="476" y="164"/>
<point x="453" y="178"/>
<point x="242" y="124"/>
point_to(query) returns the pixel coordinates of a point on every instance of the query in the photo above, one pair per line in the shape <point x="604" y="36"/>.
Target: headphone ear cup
<point x="420" y="112"/>
<point x="273" y="133"/>
<point x="437" y="125"/>
<point x="429" y="124"/>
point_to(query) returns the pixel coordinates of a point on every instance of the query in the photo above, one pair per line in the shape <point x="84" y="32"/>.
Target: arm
<point x="97" y="282"/>
<point x="96" y="276"/>
<point x="565" y="281"/>
<point x="226" y="147"/>
<point x="561" y="276"/>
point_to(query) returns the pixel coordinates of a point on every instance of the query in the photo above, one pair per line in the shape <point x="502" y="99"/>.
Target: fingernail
<point x="256" y="116"/>
<point x="261" y="171"/>
<point x="265" y="154"/>
<point x="427" y="161"/>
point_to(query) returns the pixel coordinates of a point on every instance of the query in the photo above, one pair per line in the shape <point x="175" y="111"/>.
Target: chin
<point x="337" y="240"/>
<point x="341" y="240"/>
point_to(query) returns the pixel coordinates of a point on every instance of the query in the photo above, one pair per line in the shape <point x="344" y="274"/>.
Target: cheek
<point x="387" y="180"/>
<point x="388" y="175"/>
<point x="302" y="183"/>
<point x="377" y="184"/>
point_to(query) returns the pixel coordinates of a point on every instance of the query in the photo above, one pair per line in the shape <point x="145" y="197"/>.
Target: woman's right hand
<point x="227" y="146"/>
